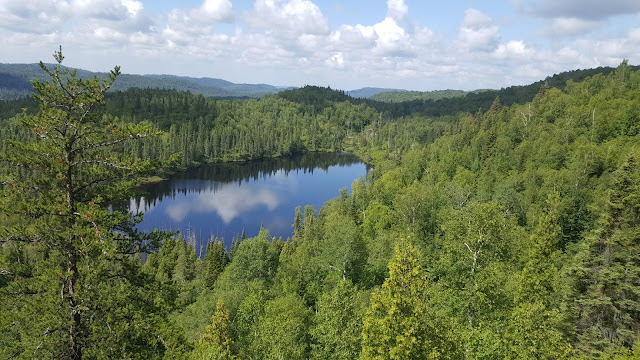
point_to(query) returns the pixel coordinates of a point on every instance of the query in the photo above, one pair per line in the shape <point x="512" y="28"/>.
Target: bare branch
<point x="5" y="272"/>
<point x="100" y="162"/>
<point x="108" y="143"/>
<point x="22" y="239"/>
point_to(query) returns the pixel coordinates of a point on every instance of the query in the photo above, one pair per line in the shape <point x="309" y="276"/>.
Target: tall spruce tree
<point x="533" y="331"/>
<point x="607" y="276"/>
<point x="215" y="260"/>
<point x="81" y="293"/>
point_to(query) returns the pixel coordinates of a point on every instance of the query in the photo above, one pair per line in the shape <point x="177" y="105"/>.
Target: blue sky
<point x="409" y="44"/>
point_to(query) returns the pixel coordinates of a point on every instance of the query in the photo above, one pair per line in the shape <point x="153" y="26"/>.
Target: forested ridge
<point x="506" y="233"/>
<point x="14" y="83"/>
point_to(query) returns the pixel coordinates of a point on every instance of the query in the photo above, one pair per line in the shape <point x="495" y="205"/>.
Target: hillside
<point x="14" y="83"/>
<point x="400" y="96"/>
<point x="369" y="92"/>
<point x="443" y="103"/>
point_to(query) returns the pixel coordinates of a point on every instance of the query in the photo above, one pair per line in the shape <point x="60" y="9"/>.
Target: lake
<point x="223" y="199"/>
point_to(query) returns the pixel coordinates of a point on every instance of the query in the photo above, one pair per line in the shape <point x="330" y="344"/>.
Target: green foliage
<point x="337" y="324"/>
<point x="534" y="329"/>
<point x="398" y="325"/>
<point x="401" y="96"/>
<point x="282" y="331"/>
<point x="216" y="341"/>
<point x="607" y="269"/>
<point x="82" y="291"/>
<point x="215" y="260"/>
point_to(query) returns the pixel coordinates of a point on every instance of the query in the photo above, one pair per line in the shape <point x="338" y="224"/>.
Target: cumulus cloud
<point x="38" y="16"/>
<point x="102" y="9"/>
<point x="514" y="50"/>
<point x="386" y="38"/>
<point x="584" y="9"/>
<point x="42" y="16"/>
<point x="392" y="39"/>
<point x="289" y="28"/>
<point x="216" y="10"/>
<point x="397" y="9"/>
<point x="354" y="37"/>
<point x="292" y="42"/>
<point x="424" y="36"/>
<point x="612" y="51"/>
<point x="563" y="26"/>
<point x="478" y="32"/>
<point x="198" y="20"/>
<point x="288" y="17"/>
<point x="336" y="60"/>
<point x="133" y="7"/>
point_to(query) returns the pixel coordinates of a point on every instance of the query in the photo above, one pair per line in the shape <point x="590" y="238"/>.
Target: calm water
<point x="223" y="199"/>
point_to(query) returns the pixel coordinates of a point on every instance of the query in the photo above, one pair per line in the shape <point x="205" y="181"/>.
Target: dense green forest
<point x="401" y="96"/>
<point x="510" y="232"/>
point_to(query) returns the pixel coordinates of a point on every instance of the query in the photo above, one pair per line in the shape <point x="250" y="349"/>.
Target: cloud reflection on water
<point x="227" y="202"/>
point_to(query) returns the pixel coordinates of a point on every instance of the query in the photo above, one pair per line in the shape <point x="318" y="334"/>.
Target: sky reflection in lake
<point x="222" y="200"/>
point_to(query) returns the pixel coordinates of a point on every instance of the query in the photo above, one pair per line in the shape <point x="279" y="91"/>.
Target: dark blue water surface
<point x="223" y="199"/>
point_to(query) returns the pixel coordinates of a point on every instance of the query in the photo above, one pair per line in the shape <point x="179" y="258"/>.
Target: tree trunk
<point x="74" y="313"/>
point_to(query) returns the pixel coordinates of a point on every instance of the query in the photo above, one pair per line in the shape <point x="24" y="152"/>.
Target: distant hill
<point x="400" y="96"/>
<point x="320" y="97"/>
<point x="369" y="92"/>
<point x="14" y="83"/>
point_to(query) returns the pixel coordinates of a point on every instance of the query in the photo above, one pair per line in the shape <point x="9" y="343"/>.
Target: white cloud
<point x="310" y="43"/>
<point x="217" y="10"/>
<point x="564" y="26"/>
<point x="199" y="20"/>
<point x="133" y="7"/>
<point x="584" y="9"/>
<point x="37" y="16"/>
<point x="89" y="20"/>
<point x="612" y="51"/>
<point x="392" y="39"/>
<point x="353" y="37"/>
<point x="103" y="34"/>
<point x="384" y="38"/>
<point x="290" y="17"/>
<point x="291" y="42"/>
<point x="336" y="60"/>
<point x="423" y="37"/>
<point x="397" y="9"/>
<point x="100" y="9"/>
<point x="478" y="32"/>
<point x="288" y="28"/>
<point x="514" y="50"/>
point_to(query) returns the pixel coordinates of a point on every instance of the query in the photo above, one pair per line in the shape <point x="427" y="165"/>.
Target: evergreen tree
<point x="534" y="327"/>
<point x="215" y="260"/>
<point x="82" y="271"/>
<point x="608" y="273"/>
<point x="216" y="341"/>
<point x="398" y="324"/>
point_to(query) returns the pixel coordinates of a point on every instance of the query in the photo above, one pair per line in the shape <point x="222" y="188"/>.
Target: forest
<point x="505" y="231"/>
